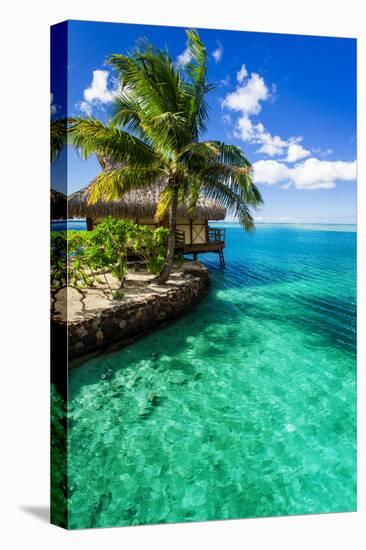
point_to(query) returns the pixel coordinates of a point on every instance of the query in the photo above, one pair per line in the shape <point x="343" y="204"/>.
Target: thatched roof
<point x="58" y="205"/>
<point x="138" y="204"/>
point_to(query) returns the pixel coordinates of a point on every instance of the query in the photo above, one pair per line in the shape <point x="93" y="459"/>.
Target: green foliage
<point x="118" y="294"/>
<point x="106" y="246"/>
<point x="58" y="259"/>
<point x="58" y="137"/>
<point x="78" y="256"/>
<point x="68" y="265"/>
<point x="150" y="246"/>
<point x="78" y="268"/>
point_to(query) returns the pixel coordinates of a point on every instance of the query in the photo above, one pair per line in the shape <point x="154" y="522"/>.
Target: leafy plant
<point x="150" y="245"/>
<point x="106" y="247"/>
<point x="80" y="257"/>
<point x="118" y="294"/>
<point x="79" y="272"/>
<point x="68" y="264"/>
<point x="58" y="259"/>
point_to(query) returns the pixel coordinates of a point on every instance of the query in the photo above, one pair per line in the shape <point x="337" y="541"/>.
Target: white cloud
<point x="321" y="152"/>
<point x="226" y="119"/>
<point x="314" y="173"/>
<point x="217" y="53"/>
<point x="271" y="145"/>
<point x="311" y="173"/>
<point x="296" y="152"/>
<point x="184" y="58"/>
<point x="225" y="81"/>
<point x="242" y="74"/>
<point x="247" y="99"/>
<point x="54" y="108"/>
<point x="101" y="91"/>
<point x="286" y="185"/>
<point x="270" y="172"/>
<point x="272" y="219"/>
<point x="85" y="107"/>
<point x="256" y="133"/>
<point x="98" y="90"/>
<point x="285" y="219"/>
<point x="248" y="95"/>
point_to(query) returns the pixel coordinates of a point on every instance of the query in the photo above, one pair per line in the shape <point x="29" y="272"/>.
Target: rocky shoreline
<point x="143" y="308"/>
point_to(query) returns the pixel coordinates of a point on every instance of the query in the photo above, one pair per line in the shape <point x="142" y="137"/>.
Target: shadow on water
<point x="334" y="319"/>
<point x="246" y="274"/>
<point x="331" y="319"/>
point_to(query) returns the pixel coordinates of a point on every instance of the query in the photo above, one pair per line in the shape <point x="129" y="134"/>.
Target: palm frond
<point x="200" y="152"/>
<point x="233" y="155"/>
<point x="126" y="112"/>
<point x="233" y="200"/>
<point x="236" y="178"/>
<point x="194" y="192"/>
<point x="151" y="104"/>
<point x="58" y="136"/>
<point x="89" y="135"/>
<point x="204" y="153"/>
<point x="164" y="202"/>
<point x="196" y="86"/>
<point x="110" y="185"/>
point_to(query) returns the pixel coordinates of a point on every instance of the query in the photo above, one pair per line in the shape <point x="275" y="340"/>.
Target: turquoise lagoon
<point x="245" y="407"/>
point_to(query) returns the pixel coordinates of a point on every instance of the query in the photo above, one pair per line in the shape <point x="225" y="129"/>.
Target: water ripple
<point x="245" y="407"/>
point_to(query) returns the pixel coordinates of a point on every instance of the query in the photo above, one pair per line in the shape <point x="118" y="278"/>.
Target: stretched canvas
<point x="203" y="274"/>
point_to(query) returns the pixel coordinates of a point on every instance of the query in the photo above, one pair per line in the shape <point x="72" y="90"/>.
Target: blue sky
<point x="288" y="101"/>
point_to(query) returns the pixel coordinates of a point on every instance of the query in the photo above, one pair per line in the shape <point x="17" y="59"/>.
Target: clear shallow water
<point x="245" y="407"/>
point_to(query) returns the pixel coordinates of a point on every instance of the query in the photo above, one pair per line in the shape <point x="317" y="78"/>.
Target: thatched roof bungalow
<point x="140" y="206"/>
<point x="193" y="232"/>
<point x="58" y="205"/>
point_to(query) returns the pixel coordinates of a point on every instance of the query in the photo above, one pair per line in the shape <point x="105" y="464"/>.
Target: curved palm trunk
<point x="165" y="274"/>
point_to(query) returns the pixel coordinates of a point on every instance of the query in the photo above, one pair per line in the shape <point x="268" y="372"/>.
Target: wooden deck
<point x="215" y="243"/>
<point x="204" y="247"/>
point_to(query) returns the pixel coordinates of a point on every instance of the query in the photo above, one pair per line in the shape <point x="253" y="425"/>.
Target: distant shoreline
<point x="237" y="223"/>
<point x="286" y="223"/>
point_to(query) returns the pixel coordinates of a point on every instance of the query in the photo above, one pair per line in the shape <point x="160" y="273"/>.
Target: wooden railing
<point x="179" y="239"/>
<point x="216" y="235"/>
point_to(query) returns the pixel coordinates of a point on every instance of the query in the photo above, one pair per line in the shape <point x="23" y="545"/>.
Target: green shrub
<point x="118" y="294"/>
<point x="77" y="255"/>
<point x="150" y="245"/>
<point x="106" y="246"/>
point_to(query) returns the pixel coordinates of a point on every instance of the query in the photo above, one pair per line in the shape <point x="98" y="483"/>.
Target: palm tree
<point x="159" y="115"/>
<point x="58" y="137"/>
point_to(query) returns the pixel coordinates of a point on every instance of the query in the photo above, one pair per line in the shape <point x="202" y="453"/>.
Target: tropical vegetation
<point x="58" y="137"/>
<point x="81" y="258"/>
<point x="159" y="115"/>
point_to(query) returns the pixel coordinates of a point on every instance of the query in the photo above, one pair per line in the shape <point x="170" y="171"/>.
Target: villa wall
<point x="129" y="320"/>
<point x="194" y="232"/>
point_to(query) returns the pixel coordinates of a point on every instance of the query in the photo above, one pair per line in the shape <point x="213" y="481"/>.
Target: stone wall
<point x="129" y="320"/>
